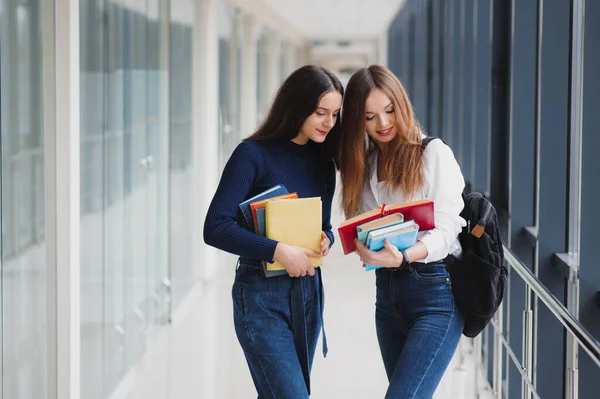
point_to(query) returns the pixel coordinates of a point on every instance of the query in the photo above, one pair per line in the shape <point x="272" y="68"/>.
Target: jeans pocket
<point x="433" y="273"/>
<point x="237" y="297"/>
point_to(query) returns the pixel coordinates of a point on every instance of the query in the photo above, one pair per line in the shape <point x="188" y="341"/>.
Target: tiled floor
<point x="199" y="357"/>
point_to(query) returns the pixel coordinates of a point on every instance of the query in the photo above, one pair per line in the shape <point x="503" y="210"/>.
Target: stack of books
<point x="397" y="223"/>
<point x="282" y="216"/>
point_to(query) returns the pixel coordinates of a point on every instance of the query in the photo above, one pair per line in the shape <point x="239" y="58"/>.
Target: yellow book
<point x="295" y="222"/>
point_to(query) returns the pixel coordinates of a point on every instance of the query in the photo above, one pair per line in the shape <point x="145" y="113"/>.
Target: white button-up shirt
<point x="443" y="184"/>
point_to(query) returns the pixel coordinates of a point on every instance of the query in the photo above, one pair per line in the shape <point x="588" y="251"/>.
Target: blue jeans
<point x="277" y="321"/>
<point x="418" y="328"/>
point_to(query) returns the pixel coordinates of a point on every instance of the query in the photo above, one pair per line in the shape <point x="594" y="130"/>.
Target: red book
<point x="419" y="211"/>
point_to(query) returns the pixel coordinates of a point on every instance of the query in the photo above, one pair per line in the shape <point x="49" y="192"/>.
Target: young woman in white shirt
<point x="382" y="161"/>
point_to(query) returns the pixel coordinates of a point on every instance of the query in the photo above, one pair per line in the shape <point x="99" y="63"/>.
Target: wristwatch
<point x="404" y="259"/>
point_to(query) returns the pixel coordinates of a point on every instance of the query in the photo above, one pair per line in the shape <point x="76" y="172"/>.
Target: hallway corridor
<point x="198" y="356"/>
<point x="117" y="118"/>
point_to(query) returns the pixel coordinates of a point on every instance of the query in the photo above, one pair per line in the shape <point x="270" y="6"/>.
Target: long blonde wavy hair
<point x="404" y="160"/>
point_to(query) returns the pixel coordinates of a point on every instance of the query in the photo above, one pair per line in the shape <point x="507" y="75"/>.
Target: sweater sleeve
<point x="445" y="184"/>
<point x="327" y="228"/>
<point x="220" y="227"/>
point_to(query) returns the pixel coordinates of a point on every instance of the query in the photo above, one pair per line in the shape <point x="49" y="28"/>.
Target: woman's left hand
<point x="389" y="256"/>
<point x="324" y="244"/>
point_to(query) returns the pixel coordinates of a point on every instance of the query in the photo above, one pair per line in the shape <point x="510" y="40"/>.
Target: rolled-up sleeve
<point x="444" y="186"/>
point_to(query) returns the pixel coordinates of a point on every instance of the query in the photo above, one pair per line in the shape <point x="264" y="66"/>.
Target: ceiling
<point x="337" y="19"/>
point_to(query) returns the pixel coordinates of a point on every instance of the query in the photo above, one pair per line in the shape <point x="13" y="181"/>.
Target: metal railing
<point x="574" y="326"/>
<point x="578" y="334"/>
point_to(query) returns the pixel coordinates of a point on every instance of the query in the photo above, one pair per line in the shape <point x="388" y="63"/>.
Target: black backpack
<point x="479" y="276"/>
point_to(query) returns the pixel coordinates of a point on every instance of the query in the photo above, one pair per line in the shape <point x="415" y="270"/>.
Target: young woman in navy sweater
<point x="278" y="319"/>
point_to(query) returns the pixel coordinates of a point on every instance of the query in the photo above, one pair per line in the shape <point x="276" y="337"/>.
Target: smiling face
<point x="380" y="118"/>
<point x="322" y="120"/>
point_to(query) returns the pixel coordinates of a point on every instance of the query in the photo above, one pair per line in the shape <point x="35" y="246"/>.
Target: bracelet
<point x="404" y="259"/>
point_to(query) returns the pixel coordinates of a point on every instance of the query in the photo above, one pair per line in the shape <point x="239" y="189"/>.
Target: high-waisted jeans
<point x="418" y="328"/>
<point x="277" y="322"/>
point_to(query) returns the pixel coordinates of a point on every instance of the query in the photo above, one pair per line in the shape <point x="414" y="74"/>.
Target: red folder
<point x="419" y="211"/>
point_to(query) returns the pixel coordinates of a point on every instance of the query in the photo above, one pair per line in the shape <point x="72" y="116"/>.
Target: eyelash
<point x="370" y="118"/>
<point x="321" y="114"/>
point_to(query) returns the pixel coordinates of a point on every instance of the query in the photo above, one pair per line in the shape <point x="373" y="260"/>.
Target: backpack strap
<point x="428" y="140"/>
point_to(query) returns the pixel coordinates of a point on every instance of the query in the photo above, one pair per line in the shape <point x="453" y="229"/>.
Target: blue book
<point x="245" y="206"/>
<point x="402" y="236"/>
<point x="247" y="214"/>
<point x="363" y="230"/>
<point x="275" y="273"/>
<point x="260" y="218"/>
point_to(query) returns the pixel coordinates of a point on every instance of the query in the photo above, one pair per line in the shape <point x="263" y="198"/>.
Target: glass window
<point x="23" y="245"/>
<point x="229" y="79"/>
<point x="91" y="187"/>
<point x="181" y="163"/>
<point x="124" y="188"/>
<point x="262" y="69"/>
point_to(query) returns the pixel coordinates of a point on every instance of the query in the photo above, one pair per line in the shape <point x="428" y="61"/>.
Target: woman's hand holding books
<point x="389" y="256"/>
<point x="295" y="259"/>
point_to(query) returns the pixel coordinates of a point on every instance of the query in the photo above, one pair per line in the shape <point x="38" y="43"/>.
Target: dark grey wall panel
<point x="523" y="122"/>
<point x="431" y="106"/>
<point x="410" y="57"/>
<point x="589" y="309"/>
<point x="482" y="95"/>
<point x="436" y="24"/>
<point x="396" y="46"/>
<point x="448" y="75"/>
<point x="457" y="72"/>
<point x="466" y="115"/>
<point x="500" y="114"/>
<point x="419" y="62"/>
<point x="553" y="185"/>
<point x="392" y="45"/>
<point x="522" y="147"/>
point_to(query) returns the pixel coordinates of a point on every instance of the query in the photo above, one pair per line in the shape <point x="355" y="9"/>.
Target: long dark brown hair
<point x="297" y="98"/>
<point x="404" y="154"/>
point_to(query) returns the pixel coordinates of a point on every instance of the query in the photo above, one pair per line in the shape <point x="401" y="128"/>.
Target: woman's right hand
<point x="295" y="259"/>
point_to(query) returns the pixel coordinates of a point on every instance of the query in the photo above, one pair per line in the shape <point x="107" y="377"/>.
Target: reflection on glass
<point x="124" y="183"/>
<point x="262" y="55"/>
<point x="229" y="79"/>
<point x="23" y="244"/>
<point x="91" y="187"/>
<point x="180" y="76"/>
<point x="113" y="214"/>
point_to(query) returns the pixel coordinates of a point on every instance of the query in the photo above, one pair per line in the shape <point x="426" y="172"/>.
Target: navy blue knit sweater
<point x="253" y="168"/>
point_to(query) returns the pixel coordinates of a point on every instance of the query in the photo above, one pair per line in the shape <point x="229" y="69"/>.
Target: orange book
<point x="420" y="211"/>
<point x="261" y="205"/>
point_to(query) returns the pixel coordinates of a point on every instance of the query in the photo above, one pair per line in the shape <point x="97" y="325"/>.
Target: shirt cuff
<point x="268" y="252"/>
<point x="331" y="237"/>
